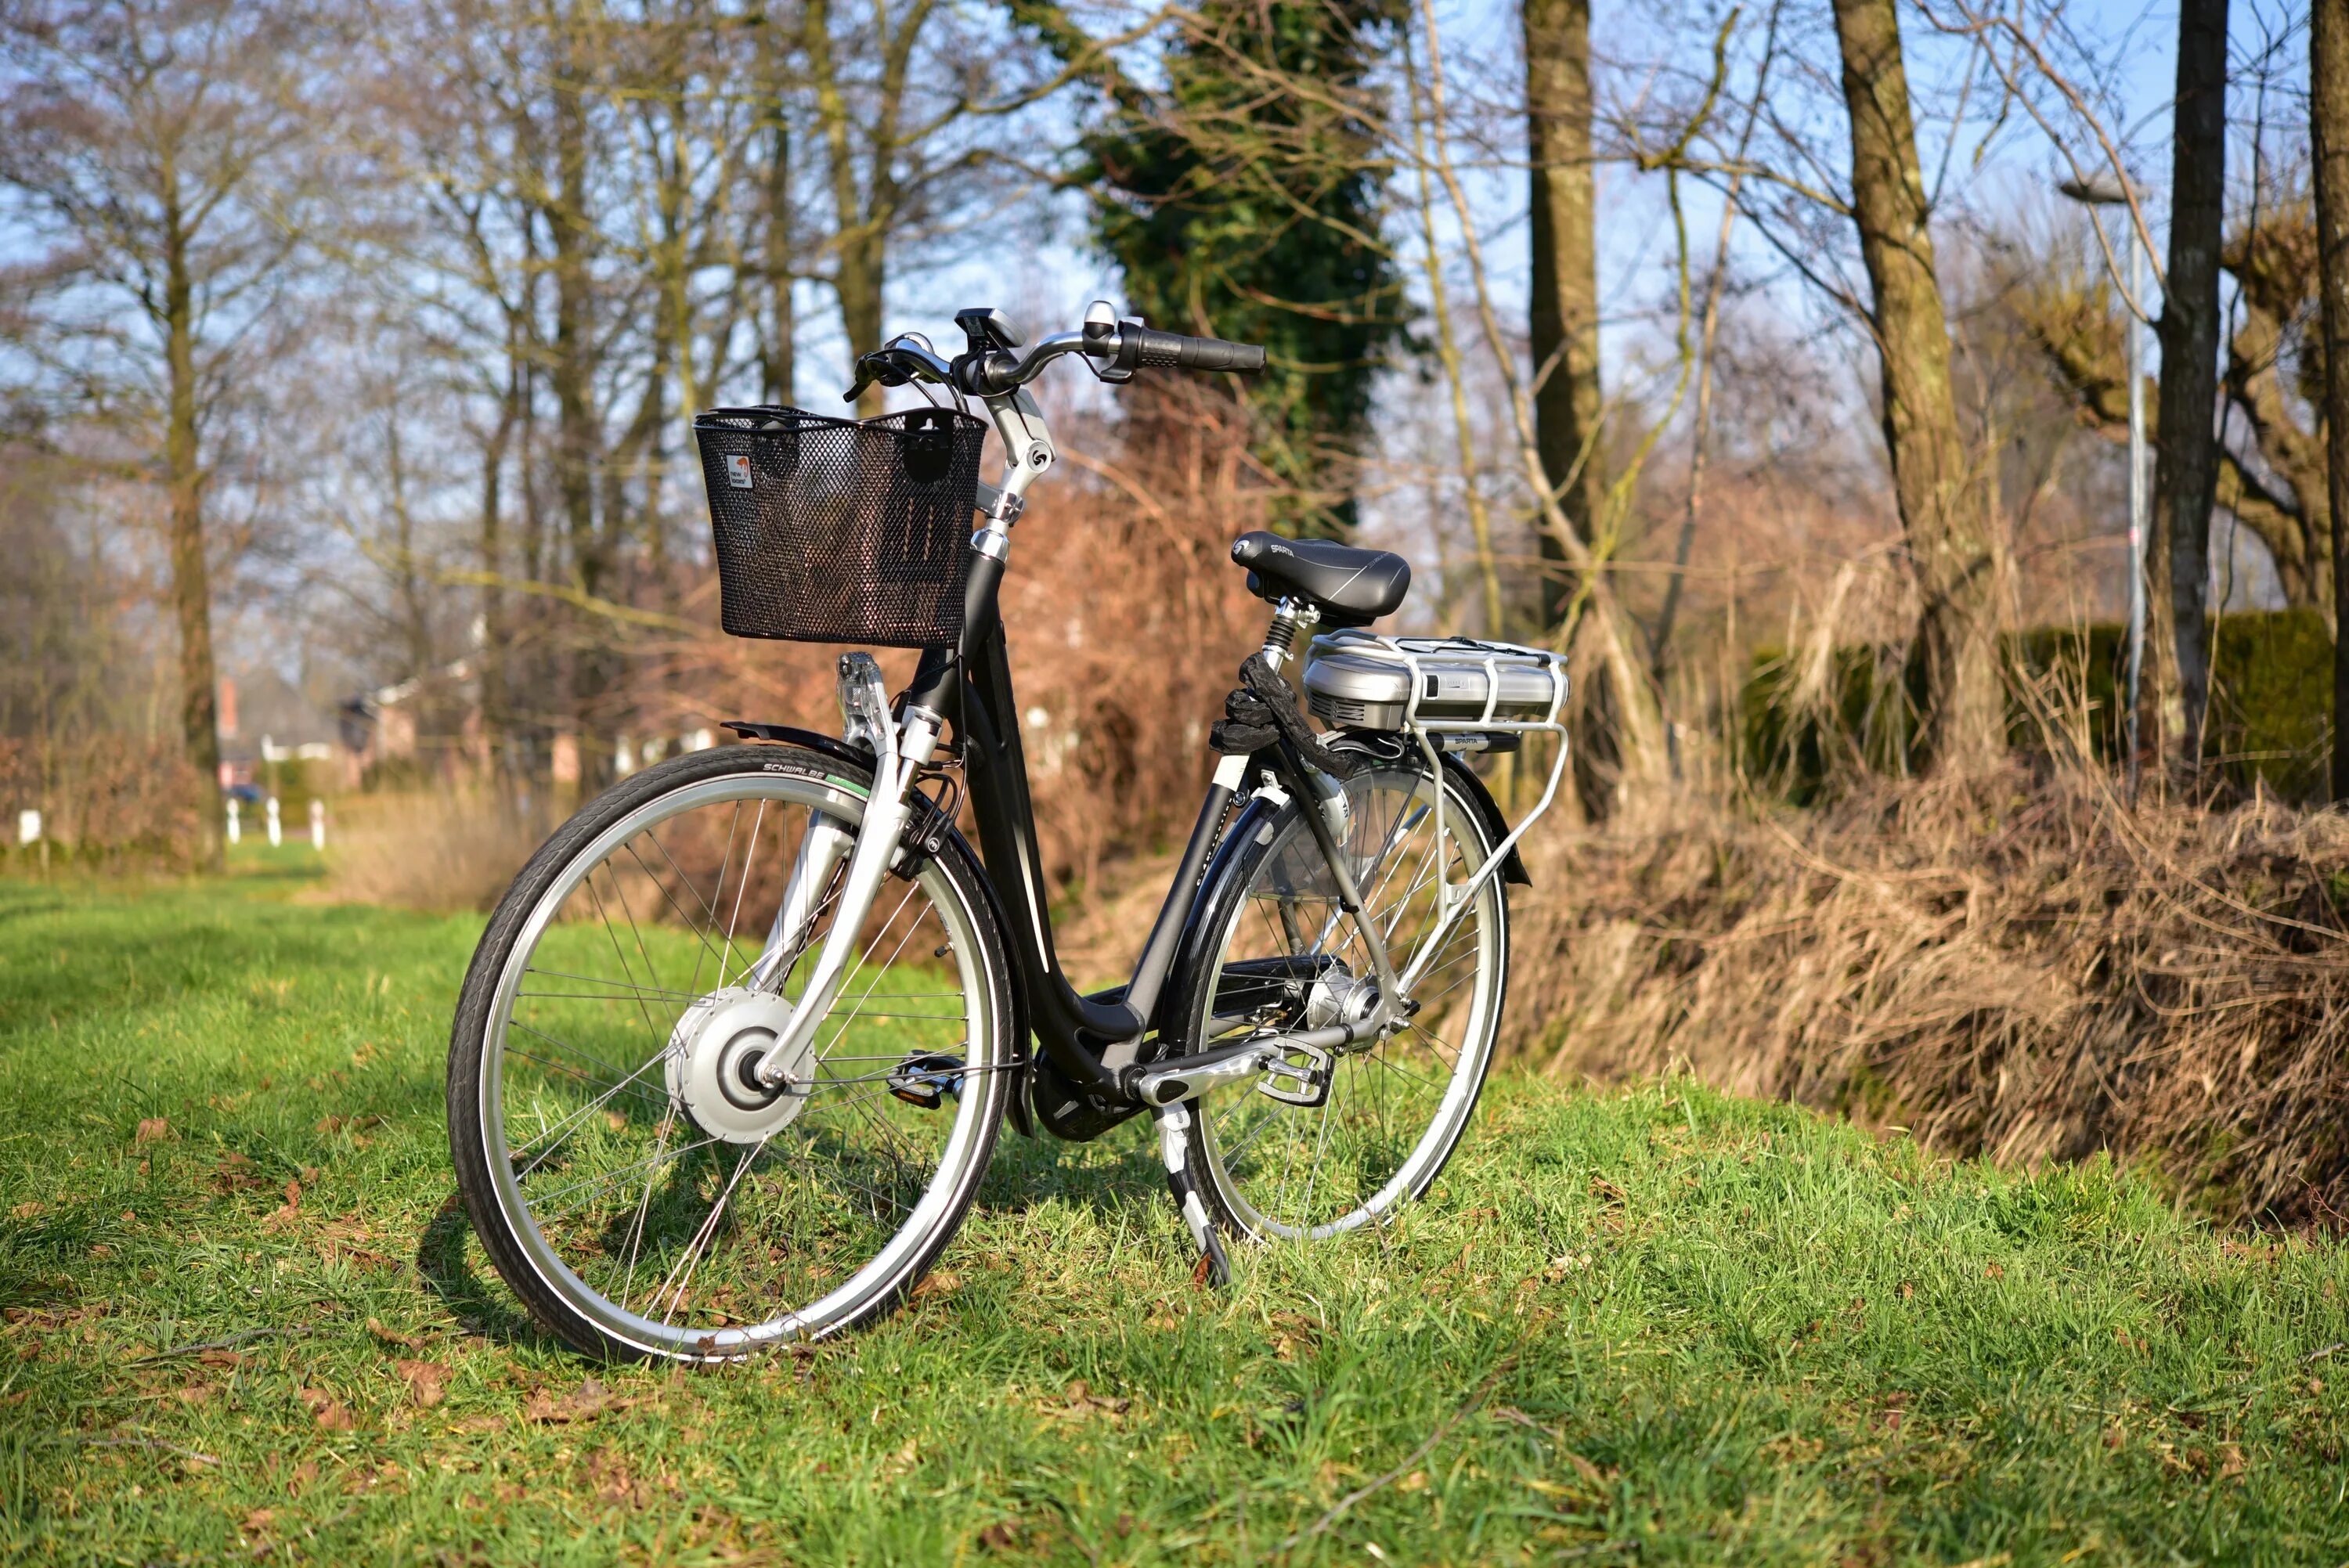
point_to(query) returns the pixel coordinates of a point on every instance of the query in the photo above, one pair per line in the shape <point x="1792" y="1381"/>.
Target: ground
<point x="244" y="1317"/>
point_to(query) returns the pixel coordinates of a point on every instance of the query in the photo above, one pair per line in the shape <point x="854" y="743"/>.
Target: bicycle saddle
<point x="1350" y="587"/>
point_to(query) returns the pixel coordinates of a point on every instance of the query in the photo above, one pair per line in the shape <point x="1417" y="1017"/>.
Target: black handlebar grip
<point x="1145" y="347"/>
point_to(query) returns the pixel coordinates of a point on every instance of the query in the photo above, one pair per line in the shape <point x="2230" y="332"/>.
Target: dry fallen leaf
<point x="1001" y="1536"/>
<point x="259" y="1519"/>
<point x="290" y="1213"/>
<point x="591" y="1400"/>
<point x="944" y="1281"/>
<point x="220" y="1358"/>
<point x="153" y="1129"/>
<point x="331" y="1414"/>
<point x="26" y="1210"/>
<point x="1994" y="1271"/>
<point x="426" y="1381"/>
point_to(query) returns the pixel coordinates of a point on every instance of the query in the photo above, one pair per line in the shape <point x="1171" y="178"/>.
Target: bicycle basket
<point x="842" y="530"/>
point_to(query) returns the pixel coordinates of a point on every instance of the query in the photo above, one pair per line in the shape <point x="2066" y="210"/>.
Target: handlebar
<point x="1145" y="347"/>
<point x="991" y="367"/>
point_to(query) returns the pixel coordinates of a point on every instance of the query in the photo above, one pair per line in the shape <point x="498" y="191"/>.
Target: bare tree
<point x="1950" y="536"/>
<point x="2328" y="61"/>
<point x="150" y="138"/>
<point x="1564" y="322"/>
<point x="2185" y="469"/>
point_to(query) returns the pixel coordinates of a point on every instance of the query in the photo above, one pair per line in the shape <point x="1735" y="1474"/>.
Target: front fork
<point x="901" y="747"/>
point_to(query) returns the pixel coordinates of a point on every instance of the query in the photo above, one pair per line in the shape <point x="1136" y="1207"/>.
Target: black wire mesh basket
<point x="842" y="530"/>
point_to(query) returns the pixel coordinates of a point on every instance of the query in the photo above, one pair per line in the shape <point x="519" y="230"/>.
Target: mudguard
<point x="1513" y="870"/>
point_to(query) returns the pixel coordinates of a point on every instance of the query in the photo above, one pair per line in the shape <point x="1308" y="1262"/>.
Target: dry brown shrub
<point x="110" y="801"/>
<point x="433" y="850"/>
<point x="2023" y="968"/>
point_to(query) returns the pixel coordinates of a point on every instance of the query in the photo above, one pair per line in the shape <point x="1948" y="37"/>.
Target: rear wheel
<point x="628" y="1172"/>
<point x="1288" y="958"/>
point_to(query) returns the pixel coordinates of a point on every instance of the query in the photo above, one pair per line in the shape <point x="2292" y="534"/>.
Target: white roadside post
<point x="276" y="831"/>
<point x="29" y="834"/>
<point x="318" y="824"/>
<point x="235" y="827"/>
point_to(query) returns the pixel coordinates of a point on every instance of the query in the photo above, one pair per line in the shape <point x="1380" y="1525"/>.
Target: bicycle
<point x="735" y="1049"/>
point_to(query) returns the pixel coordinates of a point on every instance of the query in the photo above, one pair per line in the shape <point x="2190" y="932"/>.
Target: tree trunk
<point x="496" y="704"/>
<point x="1943" y="512"/>
<point x="2185" y="468"/>
<point x="2328" y="61"/>
<point x="858" y="221"/>
<point x="859" y="281"/>
<point x="191" y="593"/>
<point x="775" y="359"/>
<point x="1565" y="312"/>
<point x="578" y="433"/>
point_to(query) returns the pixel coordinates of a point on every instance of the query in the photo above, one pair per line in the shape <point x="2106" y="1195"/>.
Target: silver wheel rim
<point x="677" y="1331"/>
<point x="1245" y="1129"/>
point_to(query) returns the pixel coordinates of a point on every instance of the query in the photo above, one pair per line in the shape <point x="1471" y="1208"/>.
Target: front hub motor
<point x="714" y="1056"/>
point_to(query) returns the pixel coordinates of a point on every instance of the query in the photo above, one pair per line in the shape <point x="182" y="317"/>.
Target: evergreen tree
<point x="1243" y="200"/>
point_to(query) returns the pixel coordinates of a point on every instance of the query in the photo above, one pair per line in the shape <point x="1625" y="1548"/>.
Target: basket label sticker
<point x="738" y="470"/>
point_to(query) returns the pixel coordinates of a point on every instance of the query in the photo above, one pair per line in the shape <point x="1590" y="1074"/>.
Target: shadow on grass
<point x="483" y="1309"/>
<point x="1113" y="1173"/>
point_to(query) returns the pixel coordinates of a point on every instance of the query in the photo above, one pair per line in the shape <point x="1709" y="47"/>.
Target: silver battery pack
<point x="1353" y="681"/>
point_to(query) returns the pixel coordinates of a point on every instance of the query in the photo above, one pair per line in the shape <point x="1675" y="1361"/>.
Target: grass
<point x="1654" y="1326"/>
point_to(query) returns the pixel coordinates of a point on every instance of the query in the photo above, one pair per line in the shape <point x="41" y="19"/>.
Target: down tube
<point x="1007" y="832"/>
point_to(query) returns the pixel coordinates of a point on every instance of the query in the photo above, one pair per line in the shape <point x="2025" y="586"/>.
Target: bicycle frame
<point x="1093" y="1041"/>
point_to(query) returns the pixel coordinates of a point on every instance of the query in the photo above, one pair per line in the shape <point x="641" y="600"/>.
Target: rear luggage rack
<point x="1445" y="694"/>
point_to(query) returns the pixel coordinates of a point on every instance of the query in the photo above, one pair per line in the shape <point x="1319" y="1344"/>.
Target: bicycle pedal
<point x="1305" y="1084"/>
<point x="926" y="1079"/>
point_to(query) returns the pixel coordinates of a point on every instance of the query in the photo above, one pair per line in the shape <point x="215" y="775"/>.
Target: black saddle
<point x="1350" y="587"/>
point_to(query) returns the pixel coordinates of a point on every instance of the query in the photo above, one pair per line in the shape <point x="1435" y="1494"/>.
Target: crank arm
<point x="1265" y="1057"/>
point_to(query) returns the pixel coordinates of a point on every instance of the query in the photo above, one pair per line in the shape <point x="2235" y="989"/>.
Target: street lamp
<point x="2104" y="191"/>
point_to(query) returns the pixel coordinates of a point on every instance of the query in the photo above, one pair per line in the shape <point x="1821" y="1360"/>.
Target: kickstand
<point x="1173" y="1147"/>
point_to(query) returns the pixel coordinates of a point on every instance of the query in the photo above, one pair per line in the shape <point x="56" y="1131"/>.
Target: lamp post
<point x="2104" y="191"/>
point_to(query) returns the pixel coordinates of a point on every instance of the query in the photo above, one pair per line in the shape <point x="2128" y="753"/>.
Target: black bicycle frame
<point x="1090" y="1039"/>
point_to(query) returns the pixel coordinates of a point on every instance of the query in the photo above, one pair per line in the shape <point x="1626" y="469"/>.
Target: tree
<point x="902" y="95"/>
<point x="2276" y="487"/>
<point x="1564" y="307"/>
<point x="2185" y="471"/>
<point x="1245" y="201"/>
<point x="152" y="140"/>
<point x="1942" y="511"/>
<point x="2328" y="63"/>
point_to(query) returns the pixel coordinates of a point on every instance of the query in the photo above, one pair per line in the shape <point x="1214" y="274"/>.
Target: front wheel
<point x="1283" y="956"/>
<point x="631" y="1175"/>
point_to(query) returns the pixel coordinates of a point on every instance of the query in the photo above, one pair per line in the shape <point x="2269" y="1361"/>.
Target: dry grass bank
<point x="2025" y="970"/>
<point x="430" y="849"/>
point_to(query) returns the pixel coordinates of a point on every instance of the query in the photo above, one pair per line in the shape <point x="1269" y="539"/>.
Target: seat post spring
<point x="1280" y="637"/>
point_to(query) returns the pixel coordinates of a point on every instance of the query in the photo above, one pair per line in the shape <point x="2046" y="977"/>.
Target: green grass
<point x="1659" y="1325"/>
